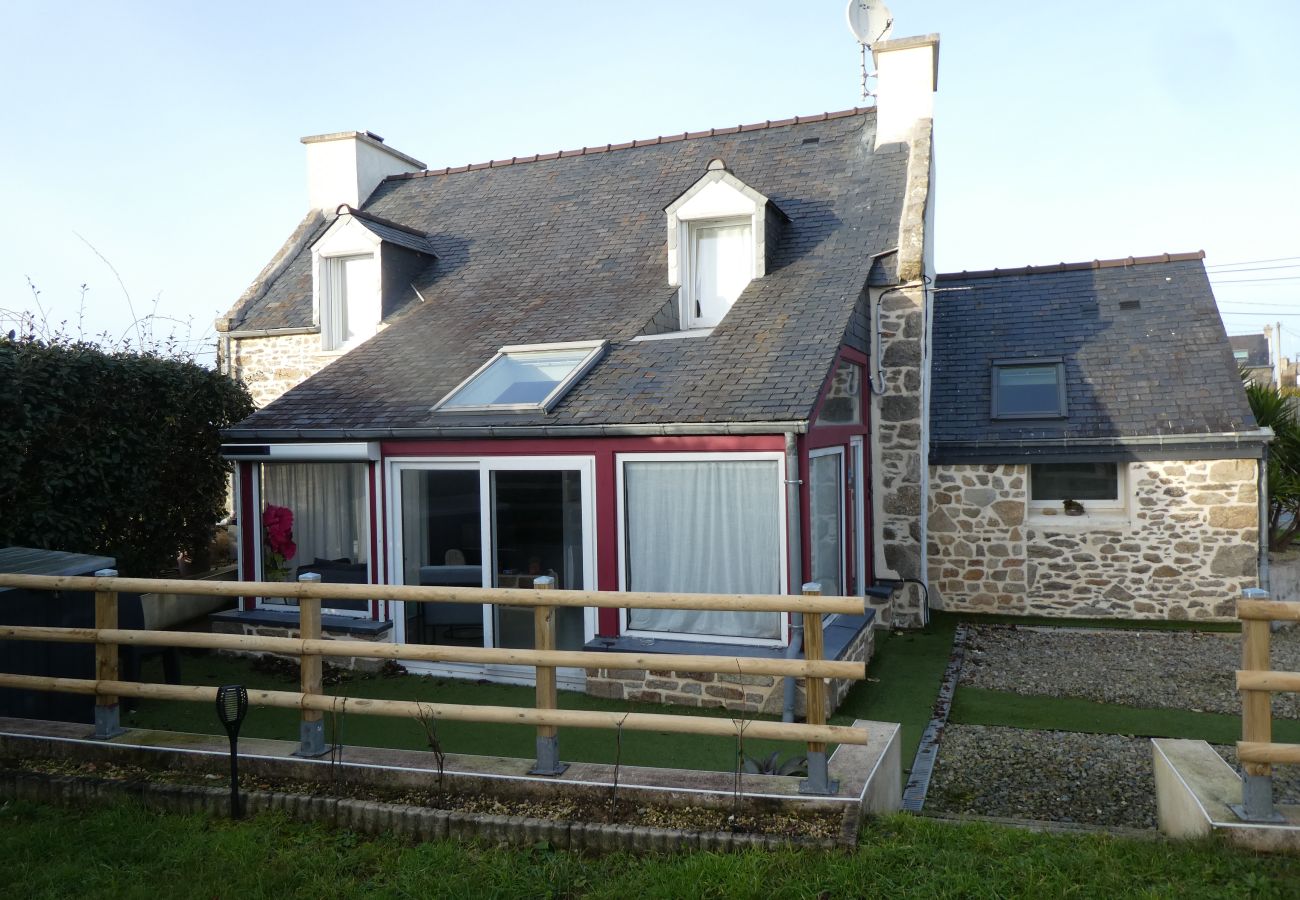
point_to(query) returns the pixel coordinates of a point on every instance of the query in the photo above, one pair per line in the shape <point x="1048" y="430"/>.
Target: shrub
<point x="111" y="451"/>
<point x="1276" y="408"/>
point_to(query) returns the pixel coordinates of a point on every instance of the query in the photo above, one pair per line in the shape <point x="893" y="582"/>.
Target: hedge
<point x="112" y="452"/>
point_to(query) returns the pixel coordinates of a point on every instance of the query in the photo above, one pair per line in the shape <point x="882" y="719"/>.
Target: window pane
<point x="824" y="498"/>
<point x="704" y="527"/>
<point x="1074" y="481"/>
<point x="1024" y="390"/>
<point x="843" y="403"/>
<point x="441" y="541"/>
<point x="314" y="520"/>
<point x="527" y="377"/>
<point x="722" y="257"/>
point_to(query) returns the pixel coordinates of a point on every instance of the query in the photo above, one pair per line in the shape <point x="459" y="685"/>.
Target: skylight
<point x="525" y="378"/>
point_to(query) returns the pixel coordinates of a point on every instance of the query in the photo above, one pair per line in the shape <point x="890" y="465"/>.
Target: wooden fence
<point x="545" y="715"/>
<point x="1257" y="682"/>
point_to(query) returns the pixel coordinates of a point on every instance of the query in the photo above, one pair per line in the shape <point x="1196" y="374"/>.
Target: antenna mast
<point x="870" y="21"/>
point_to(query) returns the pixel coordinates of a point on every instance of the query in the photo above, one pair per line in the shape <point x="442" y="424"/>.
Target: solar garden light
<point x="232" y="706"/>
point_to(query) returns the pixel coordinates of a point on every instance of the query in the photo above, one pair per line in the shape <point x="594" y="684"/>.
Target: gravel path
<point x="1059" y="776"/>
<point x="1178" y="670"/>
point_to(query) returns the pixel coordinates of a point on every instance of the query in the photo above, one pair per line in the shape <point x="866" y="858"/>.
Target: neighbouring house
<point x="694" y="363"/>
<point x="1251" y="353"/>
<point x="1091" y="449"/>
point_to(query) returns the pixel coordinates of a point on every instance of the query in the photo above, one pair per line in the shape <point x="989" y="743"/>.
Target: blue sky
<point x="164" y="136"/>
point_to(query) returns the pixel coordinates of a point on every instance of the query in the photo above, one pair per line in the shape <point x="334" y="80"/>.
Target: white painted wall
<point x="346" y="167"/>
<point x="907" y="75"/>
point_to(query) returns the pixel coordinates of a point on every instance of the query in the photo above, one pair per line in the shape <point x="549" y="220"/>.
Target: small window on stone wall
<point x="1077" y="489"/>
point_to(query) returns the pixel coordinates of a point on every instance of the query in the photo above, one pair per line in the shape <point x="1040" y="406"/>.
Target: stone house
<point x="1091" y="449"/>
<point x="694" y="363"/>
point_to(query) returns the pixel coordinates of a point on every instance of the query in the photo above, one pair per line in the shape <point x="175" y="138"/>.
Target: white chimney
<point x="907" y="75"/>
<point x="344" y="167"/>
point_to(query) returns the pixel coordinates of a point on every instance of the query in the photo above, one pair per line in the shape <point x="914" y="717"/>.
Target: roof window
<point x="524" y="378"/>
<point x="1028" y="389"/>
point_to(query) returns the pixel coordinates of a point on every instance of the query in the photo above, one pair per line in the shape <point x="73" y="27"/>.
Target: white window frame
<point x="688" y="228"/>
<point x="333" y="280"/>
<point x="486" y="465"/>
<point x="1110" y="511"/>
<point x="596" y="350"/>
<point x="778" y="459"/>
<point x="814" y="454"/>
<point x="857" y="459"/>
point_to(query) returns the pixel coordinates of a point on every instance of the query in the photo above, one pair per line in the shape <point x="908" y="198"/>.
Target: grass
<point x="131" y="852"/>
<point x="487" y="739"/>
<point x="978" y="706"/>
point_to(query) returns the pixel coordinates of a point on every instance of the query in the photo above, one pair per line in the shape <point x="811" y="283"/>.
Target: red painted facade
<point x="603" y="451"/>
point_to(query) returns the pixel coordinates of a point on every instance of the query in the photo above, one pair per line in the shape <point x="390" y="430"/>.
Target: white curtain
<point x="328" y="502"/>
<point x="704" y="527"/>
<point x="723" y="258"/>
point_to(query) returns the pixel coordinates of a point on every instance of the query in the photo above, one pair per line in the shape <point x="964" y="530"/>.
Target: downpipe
<point x="792" y="499"/>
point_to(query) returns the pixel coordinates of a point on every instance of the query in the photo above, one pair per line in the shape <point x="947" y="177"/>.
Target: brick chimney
<point x="907" y="75"/>
<point x="344" y="167"/>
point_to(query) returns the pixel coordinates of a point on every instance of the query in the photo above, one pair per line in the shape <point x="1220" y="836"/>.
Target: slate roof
<point x="573" y="247"/>
<point x="1144" y="351"/>
<point x="1256" y="347"/>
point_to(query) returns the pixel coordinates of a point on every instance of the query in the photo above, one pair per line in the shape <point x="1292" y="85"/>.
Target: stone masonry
<point x="1185" y="548"/>
<point x="709" y="690"/>
<point x="270" y="366"/>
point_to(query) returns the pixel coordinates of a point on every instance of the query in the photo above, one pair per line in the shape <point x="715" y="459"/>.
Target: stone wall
<point x="269" y="366"/>
<point x="1185" y="548"/>
<point x="709" y="690"/>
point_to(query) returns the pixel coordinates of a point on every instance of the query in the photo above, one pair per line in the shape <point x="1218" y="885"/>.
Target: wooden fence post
<point x="548" y="739"/>
<point x="1256" y="720"/>
<point x="818" y="780"/>
<point x="311" y="730"/>
<point x="108" y="720"/>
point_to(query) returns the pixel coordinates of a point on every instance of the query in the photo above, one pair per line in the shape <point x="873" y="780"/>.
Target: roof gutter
<point x="271" y="332"/>
<point x="1257" y="436"/>
<point x="667" y="429"/>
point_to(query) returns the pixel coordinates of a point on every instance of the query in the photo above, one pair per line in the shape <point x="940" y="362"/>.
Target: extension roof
<point x="572" y="247"/>
<point x="1147" y="362"/>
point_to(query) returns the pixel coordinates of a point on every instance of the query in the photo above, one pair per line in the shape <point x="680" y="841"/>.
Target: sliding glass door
<point x="492" y="522"/>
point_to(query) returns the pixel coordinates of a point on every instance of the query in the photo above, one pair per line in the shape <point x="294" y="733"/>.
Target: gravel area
<point x="1167" y="669"/>
<point x="1058" y="776"/>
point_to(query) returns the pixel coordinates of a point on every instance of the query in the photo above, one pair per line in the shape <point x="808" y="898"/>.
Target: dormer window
<point x="720" y="233"/>
<point x="349" y="300"/>
<point x="352" y="262"/>
<point x="721" y="263"/>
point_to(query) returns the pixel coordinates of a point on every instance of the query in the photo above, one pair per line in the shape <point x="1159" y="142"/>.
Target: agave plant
<point x="774" y="765"/>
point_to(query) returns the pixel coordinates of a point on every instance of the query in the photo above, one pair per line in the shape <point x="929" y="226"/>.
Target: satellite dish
<point x="870" y="21"/>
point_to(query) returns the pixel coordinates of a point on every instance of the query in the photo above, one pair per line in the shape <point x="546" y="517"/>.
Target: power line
<point x="1258" y="269"/>
<point x="1251" y="262"/>
<point x="1250" y="280"/>
<point x="1254" y="303"/>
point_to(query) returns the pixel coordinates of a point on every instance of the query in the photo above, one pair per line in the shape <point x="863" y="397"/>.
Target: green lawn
<point x="130" y="852"/>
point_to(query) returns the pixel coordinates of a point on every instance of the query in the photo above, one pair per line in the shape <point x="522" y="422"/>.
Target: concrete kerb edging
<point x="871" y="773"/>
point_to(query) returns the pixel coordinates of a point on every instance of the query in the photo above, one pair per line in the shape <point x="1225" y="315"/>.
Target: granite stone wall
<point x="709" y="690"/>
<point x="269" y="366"/>
<point x="1184" y="548"/>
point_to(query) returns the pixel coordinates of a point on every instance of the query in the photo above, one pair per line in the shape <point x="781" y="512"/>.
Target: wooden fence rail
<point x="545" y="715"/>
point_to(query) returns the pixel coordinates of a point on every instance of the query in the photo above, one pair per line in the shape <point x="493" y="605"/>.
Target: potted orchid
<point x="277" y="542"/>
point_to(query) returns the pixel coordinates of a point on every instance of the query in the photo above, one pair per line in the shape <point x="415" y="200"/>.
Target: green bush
<point x="111" y="452"/>
<point x="1275" y="408"/>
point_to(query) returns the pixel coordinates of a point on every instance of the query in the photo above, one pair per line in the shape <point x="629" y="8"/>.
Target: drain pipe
<point x="1264" y="529"/>
<point x="792" y="519"/>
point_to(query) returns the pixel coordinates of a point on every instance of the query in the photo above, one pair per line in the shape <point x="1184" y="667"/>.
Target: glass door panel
<point x="442" y="545"/>
<point x="537" y="530"/>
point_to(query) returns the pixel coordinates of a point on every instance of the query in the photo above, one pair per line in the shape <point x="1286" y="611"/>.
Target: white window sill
<point x="675" y="335"/>
<point x="1102" y="518"/>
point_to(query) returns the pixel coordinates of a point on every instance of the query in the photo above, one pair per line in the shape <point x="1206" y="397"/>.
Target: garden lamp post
<point x="232" y="706"/>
